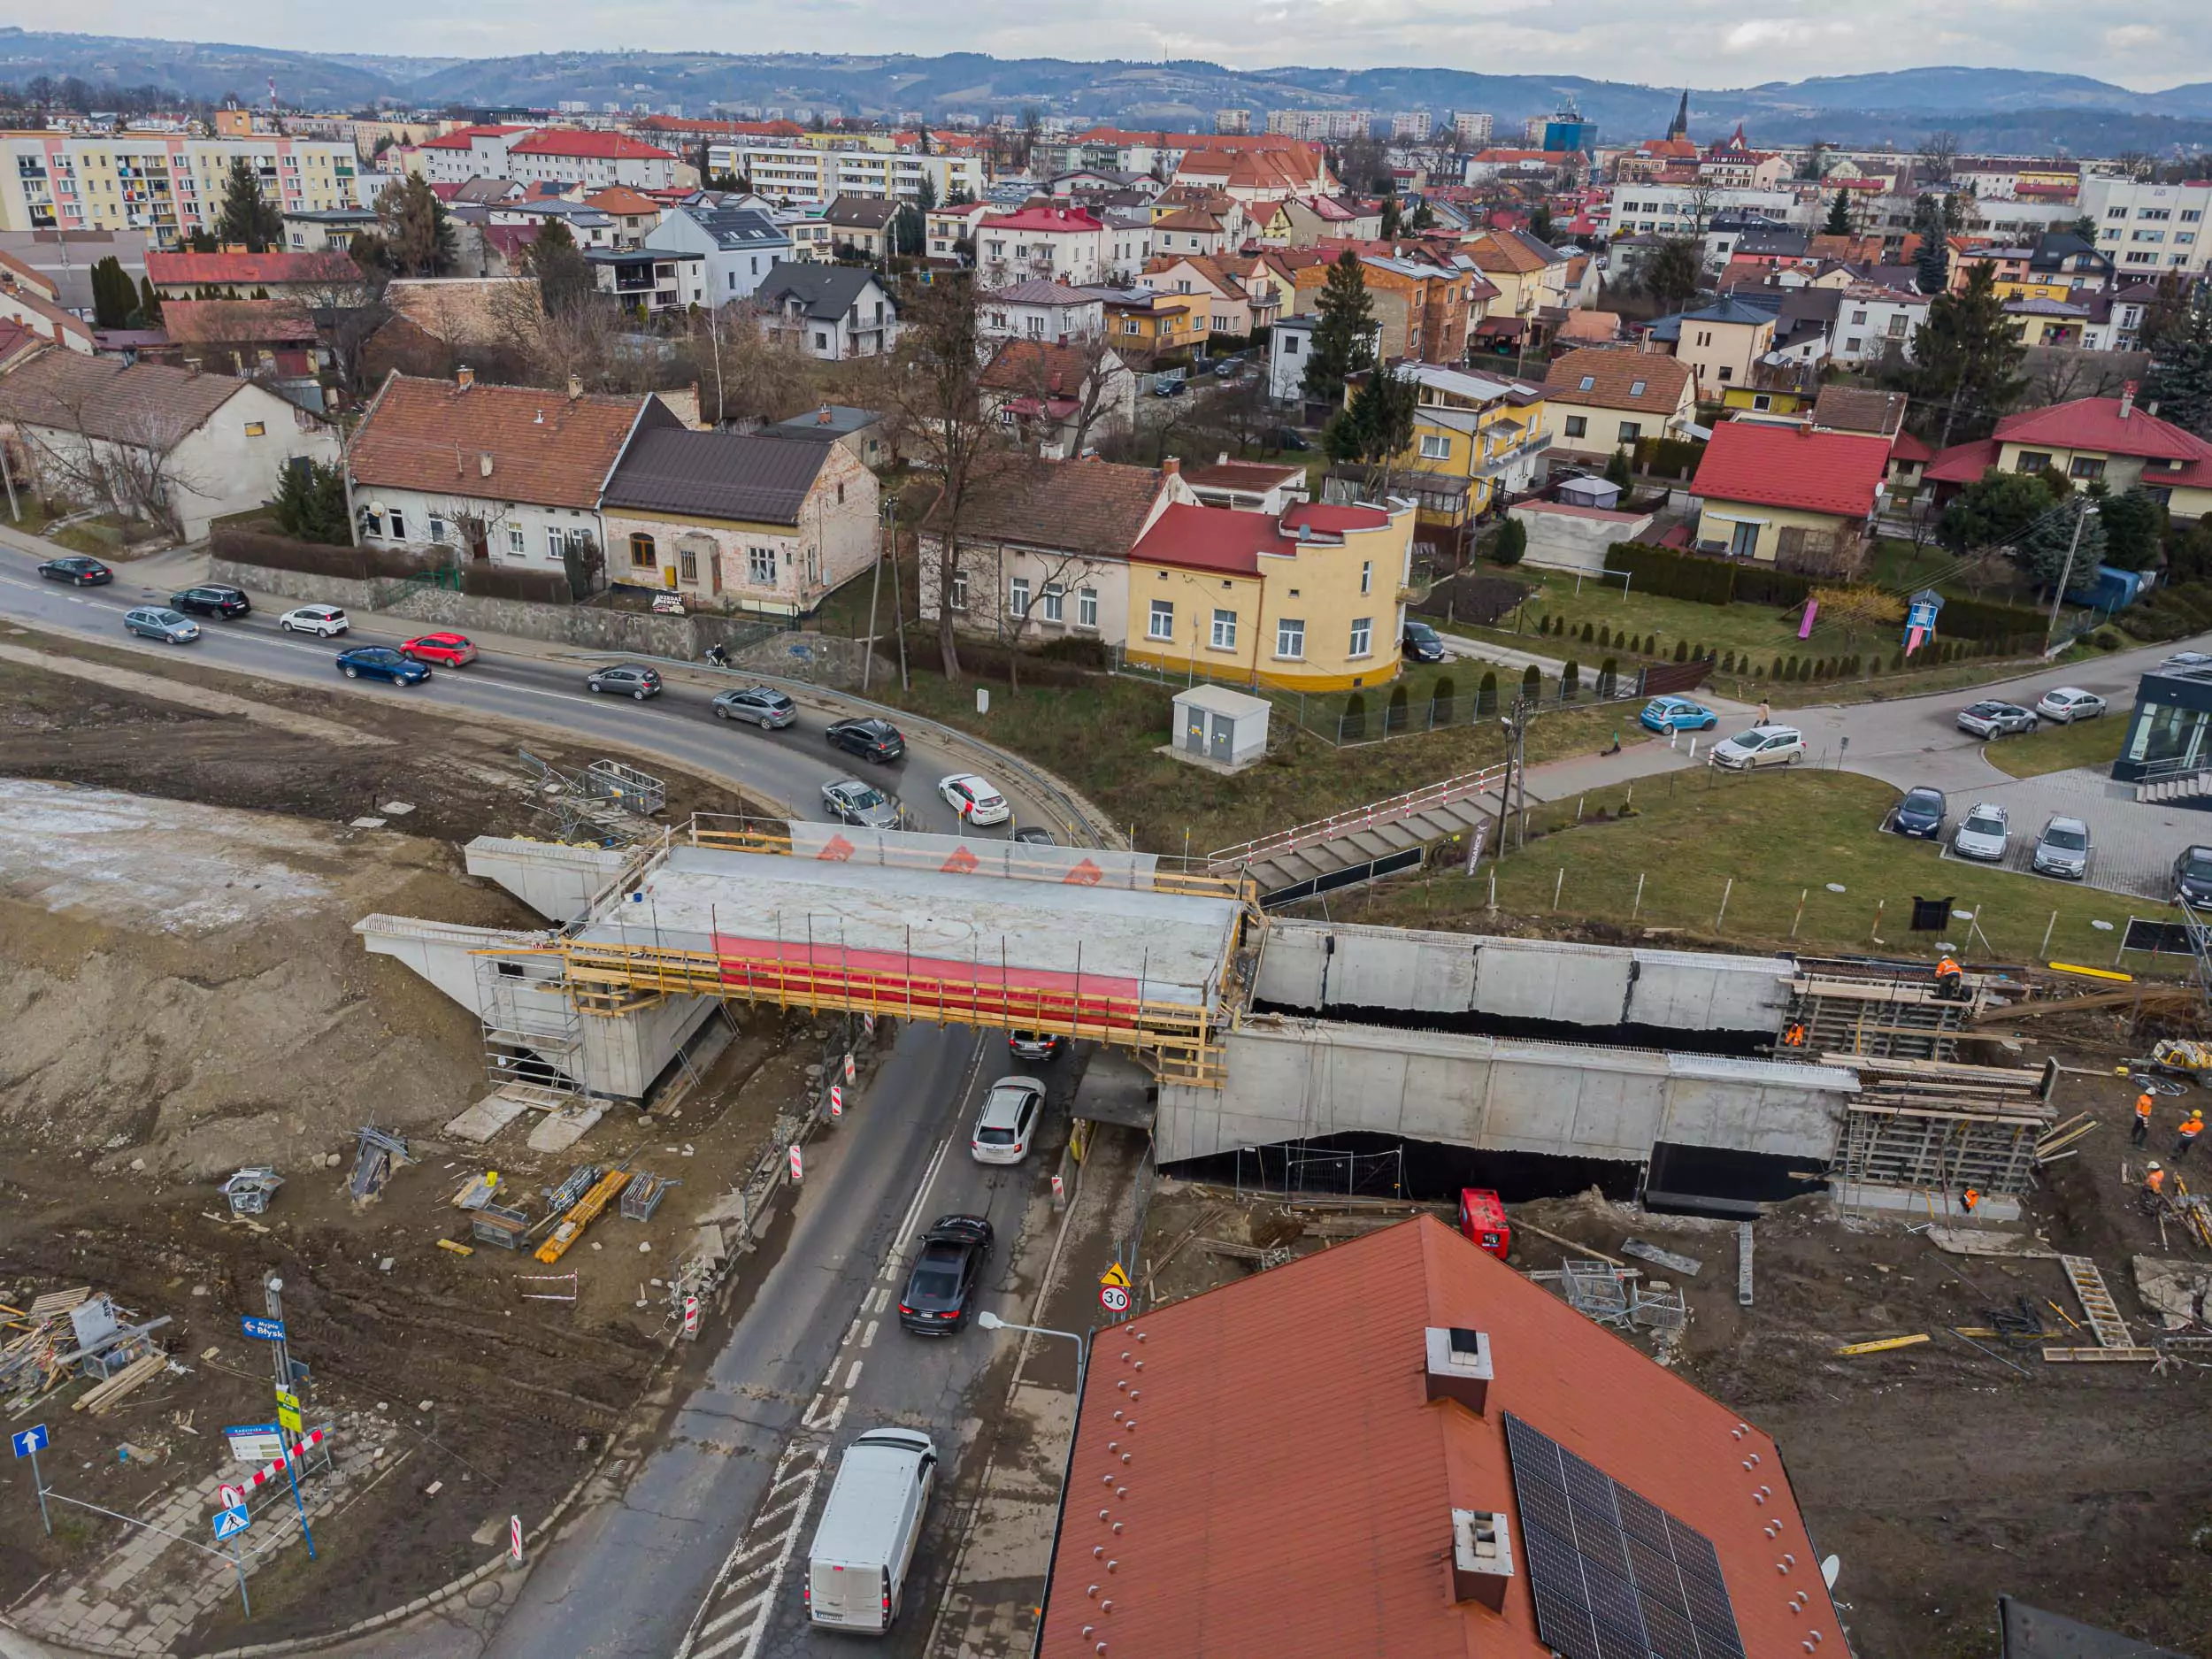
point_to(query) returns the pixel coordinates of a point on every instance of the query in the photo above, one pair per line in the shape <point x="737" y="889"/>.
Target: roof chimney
<point x="575" y="388"/>
<point x="2127" y="400"/>
<point x="484" y="464"/>
<point x="1458" y="1358"/>
<point x="1482" y="1557"/>
<point x="464" y="378"/>
<point x="1171" y="466"/>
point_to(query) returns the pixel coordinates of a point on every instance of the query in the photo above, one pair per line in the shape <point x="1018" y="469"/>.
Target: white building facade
<point x="2149" y="229"/>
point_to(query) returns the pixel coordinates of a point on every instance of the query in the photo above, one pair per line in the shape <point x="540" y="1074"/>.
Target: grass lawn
<point x="1782" y="837"/>
<point x="2060" y="748"/>
<point x="106" y="537"/>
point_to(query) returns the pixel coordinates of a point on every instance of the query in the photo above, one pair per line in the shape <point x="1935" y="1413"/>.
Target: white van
<point x="856" y="1570"/>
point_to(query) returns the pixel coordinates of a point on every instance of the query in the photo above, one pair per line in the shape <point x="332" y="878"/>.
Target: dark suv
<point x="945" y="1276"/>
<point x="871" y="739"/>
<point x="2192" y="876"/>
<point x="211" y="599"/>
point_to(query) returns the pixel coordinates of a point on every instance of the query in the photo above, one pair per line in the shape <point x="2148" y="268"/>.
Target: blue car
<point x="381" y="662"/>
<point x="1677" y="714"/>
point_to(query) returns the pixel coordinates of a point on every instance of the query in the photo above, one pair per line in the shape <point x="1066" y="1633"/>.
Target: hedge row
<point x="275" y="551"/>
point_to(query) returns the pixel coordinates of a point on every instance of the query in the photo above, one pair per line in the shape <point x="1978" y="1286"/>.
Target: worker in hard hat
<point x="2191" y="1128"/>
<point x="2154" y="1192"/>
<point x="1950" y="981"/>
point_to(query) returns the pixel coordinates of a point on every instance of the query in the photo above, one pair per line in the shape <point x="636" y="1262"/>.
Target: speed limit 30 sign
<point x="1114" y="1298"/>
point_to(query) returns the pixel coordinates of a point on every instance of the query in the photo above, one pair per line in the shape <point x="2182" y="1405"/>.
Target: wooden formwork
<point x="1938" y="1124"/>
<point x="1880" y="1017"/>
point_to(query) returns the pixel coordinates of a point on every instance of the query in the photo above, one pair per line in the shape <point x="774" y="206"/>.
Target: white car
<point x="1985" y="834"/>
<point x="974" y="799"/>
<point x="2069" y="703"/>
<point x="1761" y="746"/>
<point x="1008" y="1121"/>
<point x="320" y="620"/>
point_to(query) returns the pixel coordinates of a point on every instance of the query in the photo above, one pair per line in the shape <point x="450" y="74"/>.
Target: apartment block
<point x="1314" y="126"/>
<point x="1234" y="123"/>
<point x="1411" y="126"/>
<point x="2149" y="229"/>
<point x="790" y="172"/>
<point x="164" y="184"/>
<point x="1472" y="128"/>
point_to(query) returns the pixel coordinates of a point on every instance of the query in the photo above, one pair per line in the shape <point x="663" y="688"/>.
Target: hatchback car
<point x="2062" y="850"/>
<point x="972" y="797"/>
<point x="2192" y="876"/>
<point x="211" y="599"/>
<point x="1761" y="746"/>
<point x="1985" y="834"/>
<point x="1992" y="718"/>
<point x="1034" y="836"/>
<point x="850" y="801"/>
<point x="319" y="620"/>
<point x="156" y="622"/>
<point x="1008" y="1120"/>
<point x="2069" y="703"/>
<point x="871" y="739"/>
<point x="1423" y="643"/>
<point x="75" y="568"/>
<point x="946" y="1275"/>
<point x="1677" y="714"/>
<point x="1919" y="815"/>
<point x="764" y="705"/>
<point x="447" y="650"/>
<point x="381" y="662"/>
<point x="626" y="680"/>
<point x="1033" y="1045"/>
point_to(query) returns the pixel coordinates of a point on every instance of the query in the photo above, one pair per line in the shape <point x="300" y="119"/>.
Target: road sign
<point x="262" y="1330"/>
<point x="289" y="1418"/>
<point x="229" y="1523"/>
<point x="1114" y="1298"/>
<point x="1117" y="1276"/>
<point x="30" y="1441"/>
<point x="798" y="1163"/>
<point x="254" y="1442"/>
<point x="229" y="1497"/>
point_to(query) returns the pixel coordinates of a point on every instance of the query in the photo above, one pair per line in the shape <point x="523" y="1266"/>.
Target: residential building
<point x="1235" y="122"/>
<point x="1040" y="243"/>
<point x="1531" y="163"/>
<point x="2148" y="229"/>
<point x="811" y="236"/>
<point x="1039" y="311"/>
<point x="1646" y="207"/>
<point x="833" y="311"/>
<point x="1116" y="150"/>
<point x="633" y="213"/>
<point x="1061" y="398"/>
<point x="1475" y="437"/>
<point x="166" y="185"/>
<point x="153" y="442"/>
<point x="652" y="281"/>
<point x="2059" y="265"/>
<point x="1313" y="126"/>
<point x="1423" y="308"/>
<point x="1289" y="347"/>
<point x="787" y="171"/>
<point x="1789" y="494"/>
<point x="596" y="160"/>
<point x="859" y="430"/>
<point x="738" y="247"/>
<point x="1733" y="164"/>
<point x="862" y="225"/>
<point x="325" y="230"/>
<point x="62" y="270"/>
<point x="326" y="279"/>
<point x="1257" y="175"/>
<point x="1233" y="310"/>
<point x="945" y="228"/>
<point x="1153" y="328"/>
<point x="1411" y="126"/>
<point x="467" y="152"/>
<point x="1874" y="322"/>
<point x="1248" y="485"/>
<point x="755" y="524"/>
<point x="1471" y="128"/>
<point x="1718" y="343"/>
<point x="1127" y="248"/>
<point x="270" y="340"/>
<point x="1530" y="275"/>
<point x="1498" y="1443"/>
<point x="1601" y="399"/>
<point x="1188" y="230"/>
<point x="27" y="304"/>
<point x="2090" y="440"/>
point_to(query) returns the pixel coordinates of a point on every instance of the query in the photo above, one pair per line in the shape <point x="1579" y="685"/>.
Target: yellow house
<point x="1473" y="435"/>
<point x="1720" y="344"/>
<point x="2091" y="440"/>
<point x="1601" y="400"/>
<point x="1152" y="327"/>
<point x="1774" y="492"/>
<point x="1312" y="600"/>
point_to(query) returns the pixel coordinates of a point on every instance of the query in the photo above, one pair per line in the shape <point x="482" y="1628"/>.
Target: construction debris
<point x="1883" y="1345"/>
<point x="379" y="1155"/>
<point x="2115" y="1341"/>
<point x="102" y="1399"/>
<point x="1982" y="1241"/>
<point x="495" y="1224"/>
<point x="457" y="1249"/>
<point x="477" y="1191"/>
<point x="2176" y="1290"/>
<point x="1667" y="1259"/>
<point x="250" y="1189"/>
<point x="643" y="1196"/>
<point x="585" y="1210"/>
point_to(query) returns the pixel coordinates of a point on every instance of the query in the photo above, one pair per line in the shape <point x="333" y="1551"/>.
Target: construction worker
<point x="2141" y="1136"/>
<point x="2191" y="1128"/>
<point x="1950" y="982"/>
<point x="1973" y="1197"/>
<point x="1795" y="1037"/>
<point x="2154" y="1192"/>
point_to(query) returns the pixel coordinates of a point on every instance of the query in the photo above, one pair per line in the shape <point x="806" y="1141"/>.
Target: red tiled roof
<point x="1613" y="374"/>
<point x="1334" y="519"/>
<point x="619" y="198"/>
<point x="546" y="450"/>
<point x="575" y="140"/>
<point x="1963" y="463"/>
<point x="1770" y="465"/>
<point x="1905" y="447"/>
<point x="2096" y="423"/>
<point x="459" y="137"/>
<point x="1217" y="539"/>
<point x="1290" y="1484"/>
<point x="263" y="270"/>
<point x="1059" y="219"/>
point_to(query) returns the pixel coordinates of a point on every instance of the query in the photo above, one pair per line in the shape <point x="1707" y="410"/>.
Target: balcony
<point x="1504" y="460"/>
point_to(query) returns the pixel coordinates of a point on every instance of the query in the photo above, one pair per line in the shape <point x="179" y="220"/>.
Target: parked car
<point x="1992" y="718"/>
<point x="972" y="797"/>
<point x="322" y="621"/>
<point x="2069" y="703"/>
<point x="381" y="662"/>
<point x="211" y="599"/>
<point x="764" y="705"/>
<point x="1761" y="746"/>
<point x="626" y="680"/>
<point x="1007" y="1120"/>
<point x="157" y="622"/>
<point x="865" y="1543"/>
<point x="850" y="801"/>
<point x="1678" y="714"/>
<point x="1423" y="643"/>
<point x="1033" y="835"/>
<point x="945" y="1275"/>
<point x="75" y="568"/>
<point x="870" y="739"/>
<point x="1919" y="815"/>
<point x="1033" y="1045"/>
<point x="2193" y="875"/>
<point x="447" y="650"/>
<point x="1984" y="834"/>
<point x="2062" y="850"/>
<point x="1288" y="438"/>
<point x="1163" y="387"/>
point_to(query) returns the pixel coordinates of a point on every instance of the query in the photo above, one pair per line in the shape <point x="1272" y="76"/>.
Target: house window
<point x="1859" y="316"/>
<point x="1055" y="598"/>
<point x="688" y="564"/>
<point x="1435" y="448"/>
<point x="1290" y="638"/>
<point x="1367" y="576"/>
<point x="399" y="525"/>
<point x="440" y="531"/>
<point x="371" y="523"/>
<point x="760" y="566"/>
<point x="1087" y="608"/>
<point x="1743" y="540"/>
<point x="1632" y="430"/>
<point x="1362" y="636"/>
<point x="1589" y="382"/>
<point x="1636" y="388"/>
<point x="1018" y="598"/>
<point x="517" y="544"/>
<point x="1761" y="401"/>
<point x="821" y="340"/>
<point x="1162" y="623"/>
<point x="2034" y="461"/>
<point x="1577" y="424"/>
<point x="556" y="544"/>
<point x="960" y="591"/>
<point x="1728" y="374"/>
<point x="1224" y="630"/>
<point x="644" y="555"/>
<point x="256" y="429"/>
<point x="2090" y="466"/>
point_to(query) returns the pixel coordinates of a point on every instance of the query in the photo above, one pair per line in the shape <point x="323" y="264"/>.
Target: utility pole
<point x="2066" y="575"/>
<point x="288" y="1404"/>
<point x="868" y="660"/>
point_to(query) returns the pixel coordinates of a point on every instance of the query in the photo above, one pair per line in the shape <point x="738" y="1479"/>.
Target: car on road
<point x="1992" y="718"/>
<point x="870" y="739"/>
<point x="1166" y="387"/>
<point x="2069" y="703"/>
<point x="1984" y="834"/>
<point x="626" y="680"/>
<point x="211" y="599"/>
<point x="1761" y="746"/>
<point x="863" y="1544"/>
<point x="945" y="1276"/>
<point x="1008" y="1120"/>
<point x="972" y="797"/>
<point x="764" y="705"/>
<point x="1422" y="644"/>
<point x="158" y="622"/>
<point x="76" y="569"/>
<point x="1919" y="815"/>
<point x="2062" y="850"/>
<point x="1033" y="835"/>
<point x="322" y="621"/>
<point x="1677" y="714"/>
<point x="1033" y="1045"/>
<point x="447" y="651"/>
<point x="2193" y="875"/>
<point x="381" y="662"/>
<point x="850" y="801"/>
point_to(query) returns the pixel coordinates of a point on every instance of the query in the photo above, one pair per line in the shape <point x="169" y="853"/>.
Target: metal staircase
<point x="1365" y="842"/>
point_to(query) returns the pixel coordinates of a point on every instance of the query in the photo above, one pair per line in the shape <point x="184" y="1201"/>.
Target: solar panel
<point x="1614" y="1576"/>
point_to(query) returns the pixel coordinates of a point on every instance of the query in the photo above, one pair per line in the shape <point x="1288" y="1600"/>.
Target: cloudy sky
<point x="2148" y="45"/>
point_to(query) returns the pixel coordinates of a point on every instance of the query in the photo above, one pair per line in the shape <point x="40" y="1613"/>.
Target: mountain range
<point x="2008" y="109"/>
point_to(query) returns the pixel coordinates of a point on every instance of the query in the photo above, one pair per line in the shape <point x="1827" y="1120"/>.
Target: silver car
<point x="157" y="622"/>
<point x="2069" y="703"/>
<point x="2064" y="850"/>
<point x="1008" y="1122"/>
<point x="850" y="801"/>
<point x="1761" y="746"/>
<point x="764" y="705"/>
<point x="1985" y="834"/>
<point x="1992" y="718"/>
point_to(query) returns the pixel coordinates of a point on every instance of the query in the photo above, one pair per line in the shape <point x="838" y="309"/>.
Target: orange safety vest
<point x="2155" y="1181"/>
<point x="1794" y="1036"/>
<point x="1972" y="1198"/>
<point x="2190" y="1130"/>
<point x="2143" y="1106"/>
<point x="1946" y="966"/>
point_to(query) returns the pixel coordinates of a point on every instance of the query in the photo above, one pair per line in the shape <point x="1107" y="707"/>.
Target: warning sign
<point x="1086" y="874"/>
<point x="288" y="1410"/>
<point x="1115" y="1275"/>
<point x="836" y="849"/>
<point x="962" y="862"/>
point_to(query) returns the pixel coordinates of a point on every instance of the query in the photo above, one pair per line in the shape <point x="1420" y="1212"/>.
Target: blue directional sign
<point x="29" y="1440"/>
<point x="262" y="1330"/>
<point x="229" y="1523"/>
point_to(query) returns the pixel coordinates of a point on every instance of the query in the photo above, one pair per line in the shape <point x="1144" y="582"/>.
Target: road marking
<point x="851" y="1330"/>
<point x="852" y="1376"/>
<point x="883" y="1301"/>
<point x="868" y="1340"/>
<point x="722" y="1621"/>
<point x="800" y="1465"/>
<point x="913" y="1218"/>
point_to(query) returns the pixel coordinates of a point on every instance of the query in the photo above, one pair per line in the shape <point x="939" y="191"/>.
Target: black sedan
<point x="871" y="739"/>
<point x="945" y="1276"/>
<point x="1423" y="643"/>
<point x="381" y="662"/>
<point x="211" y="599"/>
<point x="77" y="569"/>
<point x="2192" y="876"/>
<point x="1919" y="815"/>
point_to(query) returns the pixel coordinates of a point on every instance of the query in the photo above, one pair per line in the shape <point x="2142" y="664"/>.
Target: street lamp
<point x="990" y="1321"/>
<point x="2088" y="509"/>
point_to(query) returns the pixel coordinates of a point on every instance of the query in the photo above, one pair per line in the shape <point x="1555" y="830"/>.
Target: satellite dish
<point x="1828" y="1569"/>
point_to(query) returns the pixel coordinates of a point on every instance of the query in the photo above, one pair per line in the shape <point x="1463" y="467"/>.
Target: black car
<point x="1033" y="1045"/>
<point x="2192" y="876"/>
<point x="1286" y="438"/>
<point x="211" y="599"/>
<point x="75" y="567"/>
<point x="945" y="1275"/>
<point x="1919" y="815"/>
<point x="626" y="680"/>
<point x="1034" y="836"/>
<point x="871" y="739"/>
<point x="1423" y="643"/>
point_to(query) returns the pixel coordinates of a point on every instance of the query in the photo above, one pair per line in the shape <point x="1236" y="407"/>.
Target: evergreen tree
<point x="564" y="278"/>
<point x="1539" y="223"/>
<point x="1965" y="357"/>
<point x="1511" y="543"/>
<point x="114" y="296"/>
<point x="1376" y="427"/>
<point x="247" y="216"/>
<point x="1616" y="471"/>
<point x="1423" y="216"/>
<point x="310" y="501"/>
<point x="1392" y="218"/>
<point x="2181" y="373"/>
<point x="414" y="227"/>
<point x="1993" y="510"/>
<point x="1838" y="221"/>
<point x="1932" y="220"/>
<point x="2043" y="546"/>
<point x="1673" y="271"/>
<point x="149" y="305"/>
<point x="1343" y="331"/>
<point x="2134" y="523"/>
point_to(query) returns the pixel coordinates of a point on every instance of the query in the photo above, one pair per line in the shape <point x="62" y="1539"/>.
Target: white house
<point x="570" y="155"/>
<point x="1872" y="320"/>
<point x="1039" y="311"/>
<point x="834" y="312"/>
<point x="1128" y="244"/>
<point x="1059" y="244"/>
<point x="1289" y="343"/>
<point x="741" y="245"/>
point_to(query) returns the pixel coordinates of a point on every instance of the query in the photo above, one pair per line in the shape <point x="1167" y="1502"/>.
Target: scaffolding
<point x="1839" y="1013"/>
<point x="533" y="1031"/>
<point x="1942" y="1126"/>
<point x="607" y="804"/>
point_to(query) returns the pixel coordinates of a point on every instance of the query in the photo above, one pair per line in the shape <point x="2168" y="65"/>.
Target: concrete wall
<point x="556" y="881"/>
<point x="1317" y="967"/>
<point x="1291" y="1080"/>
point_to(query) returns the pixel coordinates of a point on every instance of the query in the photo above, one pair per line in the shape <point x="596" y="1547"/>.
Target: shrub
<point x="1355" y="721"/>
<point x="1728" y="662"/>
<point x="1083" y="651"/>
<point x="1589" y="634"/>
<point x="1511" y="542"/>
<point x="1682" y="650"/>
<point x="1569" y="681"/>
<point x="1776" y="672"/>
<point x="1394" y="714"/>
<point x="1897" y="661"/>
<point x="1703" y="653"/>
<point x="1790" y="672"/>
<point x="1487" y="694"/>
<point x="1531" y="682"/>
<point x="1608" y="671"/>
<point x="1443" y="690"/>
<point x="1605" y="637"/>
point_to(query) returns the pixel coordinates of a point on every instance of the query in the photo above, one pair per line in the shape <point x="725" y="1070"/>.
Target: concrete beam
<point x="555" y="879"/>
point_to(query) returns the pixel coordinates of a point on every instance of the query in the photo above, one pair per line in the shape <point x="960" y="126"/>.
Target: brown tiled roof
<point x="261" y="270"/>
<point x="147" y="404"/>
<point x="236" y="322"/>
<point x="1613" y="372"/>
<point x="623" y="200"/>
<point x="1036" y="365"/>
<point x="1093" y="507"/>
<point x="1510" y="251"/>
<point x="1256" y="476"/>
<point x="1589" y="326"/>
<point x="546" y="450"/>
<point x="860" y="213"/>
<point x="1859" y="408"/>
<point x="1186" y="218"/>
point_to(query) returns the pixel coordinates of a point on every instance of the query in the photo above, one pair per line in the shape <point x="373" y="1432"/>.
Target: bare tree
<point x="1085" y="373"/>
<point x="748" y="372"/>
<point x="124" y="460"/>
<point x="1934" y="159"/>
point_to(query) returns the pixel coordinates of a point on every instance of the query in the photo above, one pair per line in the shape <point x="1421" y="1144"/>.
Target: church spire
<point x="1681" y="128"/>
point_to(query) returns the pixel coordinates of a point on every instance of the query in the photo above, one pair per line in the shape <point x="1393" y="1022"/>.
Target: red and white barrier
<point x="514" y="1539"/>
<point x="798" y="1165"/>
<point x="837" y="1100"/>
<point x="271" y="1471"/>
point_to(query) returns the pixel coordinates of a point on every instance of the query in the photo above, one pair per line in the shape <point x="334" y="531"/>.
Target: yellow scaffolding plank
<point x="1883" y="1345"/>
<point x="587" y="1207"/>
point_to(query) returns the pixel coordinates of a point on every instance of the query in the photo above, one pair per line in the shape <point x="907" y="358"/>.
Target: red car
<point x="452" y="650"/>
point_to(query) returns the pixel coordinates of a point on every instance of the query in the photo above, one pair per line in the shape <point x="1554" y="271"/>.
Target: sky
<point x="2146" y="46"/>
